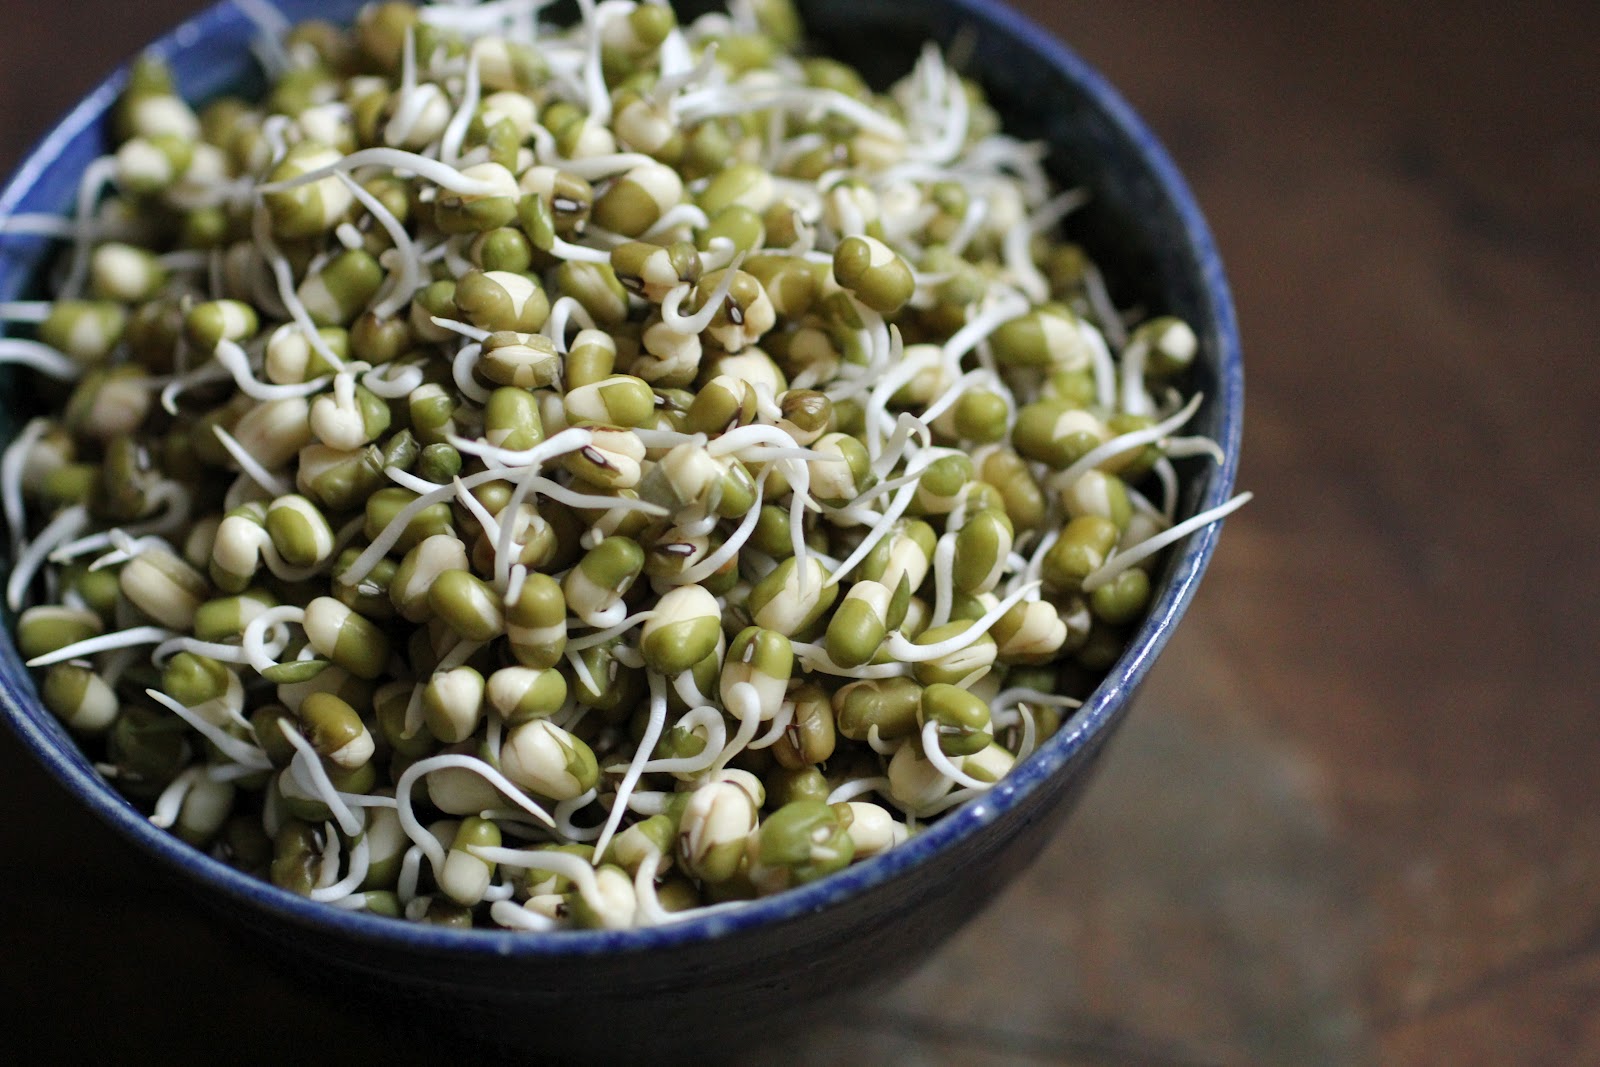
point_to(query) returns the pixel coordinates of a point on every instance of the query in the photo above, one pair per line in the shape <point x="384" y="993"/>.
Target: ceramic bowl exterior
<point x="715" y="980"/>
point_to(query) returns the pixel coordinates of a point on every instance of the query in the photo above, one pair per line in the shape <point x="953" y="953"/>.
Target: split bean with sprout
<point x="574" y="478"/>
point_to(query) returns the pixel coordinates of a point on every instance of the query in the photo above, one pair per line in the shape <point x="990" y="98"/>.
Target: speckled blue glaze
<point x="693" y="985"/>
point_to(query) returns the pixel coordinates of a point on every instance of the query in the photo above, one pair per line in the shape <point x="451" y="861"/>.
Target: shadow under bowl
<point x="715" y="980"/>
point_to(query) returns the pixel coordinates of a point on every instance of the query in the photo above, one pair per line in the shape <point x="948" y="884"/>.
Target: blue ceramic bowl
<point x="689" y="987"/>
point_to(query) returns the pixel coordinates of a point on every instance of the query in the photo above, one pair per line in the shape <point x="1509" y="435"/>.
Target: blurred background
<point x="1356" y="815"/>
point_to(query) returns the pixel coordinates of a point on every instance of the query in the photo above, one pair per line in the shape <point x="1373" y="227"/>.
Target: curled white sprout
<point x="647" y="745"/>
<point x="441" y="174"/>
<point x="1116" y="446"/>
<point x="508" y="575"/>
<point x="563" y="312"/>
<point x="129" y="638"/>
<point x="1000" y="308"/>
<point x="419" y="834"/>
<point x="906" y="651"/>
<point x="1105" y="311"/>
<point x="696" y="323"/>
<point x="465" y="329"/>
<point x="1183" y="447"/>
<point x="562" y="249"/>
<point x="459" y="653"/>
<point x="204" y="374"/>
<point x="695" y="107"/>
<point x="362" y="565"/>
<point x="573" y="868"/>
<point x="859" y="787"/>
<point x="1017" y="695"/>
<point x="876" y="742"/>
<point x="1129" y="557"/>
<point x="953" y="799"/>
<point x="229" y="772"/>
<point x="514" y="916"/>
<point x="210" y="649"/>
<point x="263" y="651"/>
<point x="461" y="368"/>
<point x="283" y="276"/>
<point x="128" y="547"/>
<point x="173" y="502"/>
<point x="456" y="130"/>
<point x="944" y="556"/>
<point x="941" y="762"/>
<point x="96" y="176"/>
<point x="170" y="802"/>
<point x="233" y="359"/>
<point x="676" y="217"/>
<point x="745" y="706"/>
<point x="455" y="256"/>
<point x="1167" y="475"/>
<point x="391" y="382"/>
<point x="1020" y="265"/>
<point x="474" y="506"/>
<point x="409" y="278"/>
<point x="1030" y="733"/>
<point x="730" y="548"/>
<point x="40" y="357"/>
<point x="307" y="769"/>
<point x="649" y="911"/>
<point x="815" y="657"/>
<point x="684" y="685"/>
<point x="499" y="891"/>
<point x="360" y="864"/>
<point x="529" y="459"/>
<point x="902" y="500"/>
<point x="858" y="513"/>
<point x="780" y="723"/>
<point x="581" y="669"/>
<point x="594" y="82"/>
<point x="572" y="498"/>
<point x="1035" y="564"/>
<point x="704" y="717"/>
<point x="12" y="464"/>
<point x="566" y="809"/>
<point x="410" y="874"/>
<point x="600" y="637"/>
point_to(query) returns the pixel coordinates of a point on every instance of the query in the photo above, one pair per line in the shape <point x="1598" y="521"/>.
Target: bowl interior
<point x="1142" y="226"/>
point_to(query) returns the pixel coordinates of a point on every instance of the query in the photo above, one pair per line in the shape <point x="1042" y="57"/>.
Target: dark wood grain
<point x="1356" y="816"/>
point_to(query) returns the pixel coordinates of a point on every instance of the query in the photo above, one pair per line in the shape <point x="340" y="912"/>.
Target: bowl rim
<point x="1095" y="718"/>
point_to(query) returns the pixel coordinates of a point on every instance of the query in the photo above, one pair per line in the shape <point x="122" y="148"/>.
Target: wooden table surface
<point x="1356" y="817"/>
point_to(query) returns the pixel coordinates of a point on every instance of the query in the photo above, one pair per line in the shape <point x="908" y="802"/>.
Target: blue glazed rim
<point x="223" y="27"/>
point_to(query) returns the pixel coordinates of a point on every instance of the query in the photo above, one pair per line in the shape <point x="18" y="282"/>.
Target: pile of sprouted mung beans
<point x="572" y="477"/>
